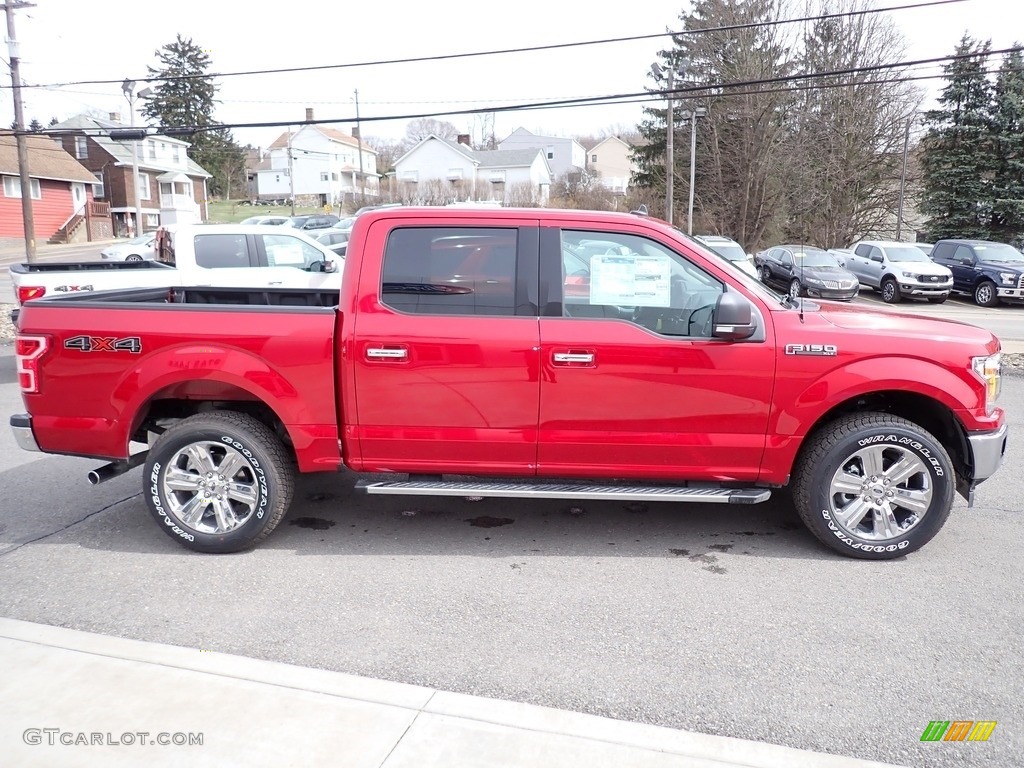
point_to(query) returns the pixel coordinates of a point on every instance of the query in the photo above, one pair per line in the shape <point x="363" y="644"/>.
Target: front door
<point x="633" y="385"/>
<point x="446" y="356"/>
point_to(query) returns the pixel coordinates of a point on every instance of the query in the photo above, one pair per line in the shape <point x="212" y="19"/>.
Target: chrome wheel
<point x="795" y="289"/>
<point x="210" y="487"/>
<point x="880" y="493"/>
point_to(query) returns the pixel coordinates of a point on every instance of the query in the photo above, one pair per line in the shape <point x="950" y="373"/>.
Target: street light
<point x="694" y="114"/>
<point x="128" y="86"/>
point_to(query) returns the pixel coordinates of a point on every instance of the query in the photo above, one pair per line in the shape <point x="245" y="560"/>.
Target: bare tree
<point x="423" y="127"/>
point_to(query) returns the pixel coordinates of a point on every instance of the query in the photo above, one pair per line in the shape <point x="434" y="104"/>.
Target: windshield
<point x="728" y="251"/>
<point x="815" y="259"/>
<point x="903" y="253"/>
<point x="1000" y="252"/>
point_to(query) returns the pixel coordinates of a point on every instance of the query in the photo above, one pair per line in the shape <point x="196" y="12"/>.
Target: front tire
<point x="873" y="486"/>
<point x="795" y="289"/>
<point x="985" y="294"/>
<point x="218" y="482"/>
<point x="890" y="291"/>
<point x="134" y="258"/>
<point x="766" y="275"/>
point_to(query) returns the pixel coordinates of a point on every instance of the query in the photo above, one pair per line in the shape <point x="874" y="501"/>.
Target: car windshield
<point x="815" y="259"/>
<point x="728" y="250"/>
<point x="901" y="253"/>
<point x="1001" y="253"/>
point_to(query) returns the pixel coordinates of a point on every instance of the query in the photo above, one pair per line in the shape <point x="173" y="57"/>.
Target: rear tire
<point x="873" y="486"/>
<point x="890" y="291"/>
<point x="134" y="258"/>
<point x="218" y="482"/>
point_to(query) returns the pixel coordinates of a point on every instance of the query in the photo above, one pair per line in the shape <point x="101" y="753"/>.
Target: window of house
<point x="451" y="270"/>
<point x="12" y="187"/>
<point x="324" y="176"/>
<point x="81" y="147"/>
<point x="152" y="149"/>
<point x="628" y="277"/>
<point x="166" y="189"/>
<point x="593" y="158"/>
<point x="221" y="251"/>
<point x="334" y="177"/>
<point x="97" y="188"/>
<point x="143" y="186"/>
<point x="177" y="154"/>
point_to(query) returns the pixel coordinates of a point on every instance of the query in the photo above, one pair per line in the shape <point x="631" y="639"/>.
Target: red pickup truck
<point x="517" y="352"/>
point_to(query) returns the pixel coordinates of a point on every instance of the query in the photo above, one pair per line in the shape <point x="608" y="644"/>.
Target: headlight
<point x="989" y="370"/>
<point x="911" y="275"/>
<point x="1008" y="278"/>
<point x="812" y="280"/>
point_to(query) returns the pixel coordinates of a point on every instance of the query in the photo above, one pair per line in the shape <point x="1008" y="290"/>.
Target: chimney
<point x="355" y="133"/>
<point x="464" y="139"/>
<point x="309" y="114"/>
<point x="115" y="117"/>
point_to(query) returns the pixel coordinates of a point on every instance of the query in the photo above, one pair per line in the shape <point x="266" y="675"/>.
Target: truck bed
<point x="252" y="297"/>
<point x="85" y="266"/>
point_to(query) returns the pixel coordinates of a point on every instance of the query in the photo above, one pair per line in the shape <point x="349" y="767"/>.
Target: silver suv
<point x="899" y="270"/>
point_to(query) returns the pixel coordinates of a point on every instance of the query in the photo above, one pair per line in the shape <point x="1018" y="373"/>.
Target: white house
<point x="563" y="155"/>
<point x="316" y="161"/>
<point x="502" y="175"/>
<point x="609" y="160"/>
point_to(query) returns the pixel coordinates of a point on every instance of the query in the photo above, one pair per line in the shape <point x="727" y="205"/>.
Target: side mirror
<point x="734" y="317"/>
<point x="330" y="265"/>
<point x="965" y="261"/>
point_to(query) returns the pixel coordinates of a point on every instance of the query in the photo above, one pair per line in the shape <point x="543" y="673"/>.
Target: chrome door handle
<point x="378" y="353"/>
<point x="573" y="357"/>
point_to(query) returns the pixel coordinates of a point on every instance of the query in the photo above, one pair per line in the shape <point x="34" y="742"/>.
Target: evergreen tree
<point x="1007" y="121"/>
<point x="185" y="98"/>
<point x="957" y="160"/>
<point x="35" y="126"/>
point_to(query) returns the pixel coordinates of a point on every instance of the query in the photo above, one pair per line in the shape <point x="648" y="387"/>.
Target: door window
<point x="963" y="253"/>
<point x="451" y="271"/>
<point x="288" y="251"/>
<point x="219" y="251"/>
<point x="632" y="278"/>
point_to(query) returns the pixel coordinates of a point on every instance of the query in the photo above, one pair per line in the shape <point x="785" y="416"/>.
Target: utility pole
<point x="291" y="174"/>
<point x="19" y="130"/>
<point x="359" y="149"/>
<point x="670" y="160"/>
<point x="903" y="179"/>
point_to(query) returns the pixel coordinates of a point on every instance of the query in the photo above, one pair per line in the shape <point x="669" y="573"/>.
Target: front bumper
<point x="926" y="290"/>
<point x="1010" y="293"/>
<point x="817" y="292"/>
<point x="988" y="449"/>
<point x="21" y="426"/>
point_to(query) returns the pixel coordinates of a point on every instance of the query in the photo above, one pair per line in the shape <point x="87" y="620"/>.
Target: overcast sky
<point x="64" y="41"/>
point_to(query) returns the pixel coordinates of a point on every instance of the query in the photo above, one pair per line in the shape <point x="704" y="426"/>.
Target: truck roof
<point x="491" y="213"/>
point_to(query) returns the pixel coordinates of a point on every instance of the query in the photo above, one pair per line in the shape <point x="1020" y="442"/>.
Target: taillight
<point x="29" y="350"/>
<point x="26" y="292"/>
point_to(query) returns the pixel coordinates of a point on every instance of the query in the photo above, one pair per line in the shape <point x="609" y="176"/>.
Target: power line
<point x="505" y="51"/>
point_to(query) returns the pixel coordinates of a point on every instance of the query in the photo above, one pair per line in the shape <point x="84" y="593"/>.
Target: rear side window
<point x="451" y="270"/>
<point x="219" y="251"/>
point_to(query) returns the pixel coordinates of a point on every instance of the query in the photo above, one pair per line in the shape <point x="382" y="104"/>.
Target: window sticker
<point x="638" y="281"/>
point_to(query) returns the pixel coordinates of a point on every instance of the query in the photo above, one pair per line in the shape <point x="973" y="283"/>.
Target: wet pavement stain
<point x="315" y="523"/>
<point x="709" y="559"/>
<point x="680" y="552"/>
<point x="489" y="522"/>
<point x="721" y="547"/>
<point x="715" y="569"/>
<point x="636" y="507"/>
<point x="320" y="497"/>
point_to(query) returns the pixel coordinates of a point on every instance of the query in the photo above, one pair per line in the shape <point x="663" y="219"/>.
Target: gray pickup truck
<point x="899" y="270"/>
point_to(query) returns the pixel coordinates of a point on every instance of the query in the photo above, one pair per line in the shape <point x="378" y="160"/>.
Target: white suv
<point x="731" y="251"/>
<point x="899" y="270"/>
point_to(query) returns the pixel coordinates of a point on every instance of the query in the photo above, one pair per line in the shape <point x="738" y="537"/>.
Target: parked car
<point x="729" y="250"/>
<point x="841" y="254"/>
<point x="899" y="270"/>
<point x="314" y="221"/>
<point x="331" y="236"/>
<point x="926" y="247"/>
<point x="986" y="270"/>
<point x="805" y="271"/>
<point x="269" y="220"/>
<point x="137" y="249"/>
<point x="345" y="224"/>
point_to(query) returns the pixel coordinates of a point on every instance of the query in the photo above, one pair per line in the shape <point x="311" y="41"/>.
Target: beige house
<point x="609" y="160"/>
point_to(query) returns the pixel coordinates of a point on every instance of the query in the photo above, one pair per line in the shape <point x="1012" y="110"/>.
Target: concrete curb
<point x="78" y="681"/>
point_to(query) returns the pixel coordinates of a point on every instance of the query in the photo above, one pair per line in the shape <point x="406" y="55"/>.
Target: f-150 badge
<point x="816" y="350"/>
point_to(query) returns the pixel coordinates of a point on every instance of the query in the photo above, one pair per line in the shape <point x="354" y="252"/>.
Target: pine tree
<point x="957" y="159"/>
<point x="185" y="98"/>
<point x="1007" y="121"/>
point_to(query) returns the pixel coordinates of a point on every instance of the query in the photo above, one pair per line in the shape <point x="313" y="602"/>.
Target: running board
<point x="566" y="491"/>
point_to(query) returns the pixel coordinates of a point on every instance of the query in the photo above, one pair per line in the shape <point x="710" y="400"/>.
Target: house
<point x="438" y="171"/>
<point x="320" y="165"/>
<point x="172" y="187"/>
<point x="564" y="156"/>
<point x="61" y="191"/>
<point x="609" y="160"/>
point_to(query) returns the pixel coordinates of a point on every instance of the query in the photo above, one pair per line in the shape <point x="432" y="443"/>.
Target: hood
<point x="1016" y="267"/>
<point x="894" y="323"/>
<point x="922" y="267"/>
<point x="827" y="273"/>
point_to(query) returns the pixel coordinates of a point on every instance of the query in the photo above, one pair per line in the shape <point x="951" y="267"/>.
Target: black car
<point x="805" y="271"/>
<point x="313" y="221"/>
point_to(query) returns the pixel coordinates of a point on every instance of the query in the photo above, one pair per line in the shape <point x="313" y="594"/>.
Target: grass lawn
<point x="230" y="212"/>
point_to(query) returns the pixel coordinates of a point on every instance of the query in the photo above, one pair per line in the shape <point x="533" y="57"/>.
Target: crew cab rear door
<point x="445" y="347"/>
<point x="632" y="384"/>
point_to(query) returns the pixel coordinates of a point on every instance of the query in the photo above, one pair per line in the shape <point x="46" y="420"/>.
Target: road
<point x="726" y="621"/>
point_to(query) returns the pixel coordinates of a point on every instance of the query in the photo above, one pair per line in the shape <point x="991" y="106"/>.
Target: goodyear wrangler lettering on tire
<point x="219" y="482"/>
<point x="873" y="486"/>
